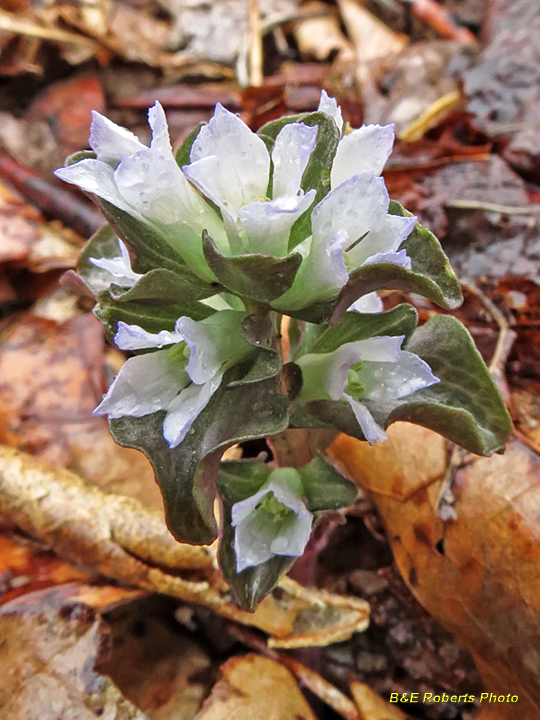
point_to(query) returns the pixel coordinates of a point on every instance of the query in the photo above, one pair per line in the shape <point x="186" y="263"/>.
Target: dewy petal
<point x="111" y="142"/>
<point x="373" y="432"/>
<point x="259" y="537"/>
<point x="291" y="153"/>
<point x="355" y="207"/>
<point x="145" y="384"/>
<point x="215" y="343"/>
<point x="329" y="106"/>
<point x="389" y="381"/>
<point x="383" y="239"/>
<point x="268" y="224"/>
<point x="134" y="337"/>
<point x="185" y="408"/>
<point x="96" y="177"/>
<point x="365" y="149"/>
<point x="118" y="267"/>
<point x="153" y="184"/>
<point x="325" y="375"/>
<point x="244" y="162"/>
<point x="370" y="303"/>
<point x="161" y="142"/>
<point x="382" y="348"/>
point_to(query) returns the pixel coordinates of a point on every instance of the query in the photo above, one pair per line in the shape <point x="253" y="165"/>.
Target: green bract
<point x="204" y="254"/>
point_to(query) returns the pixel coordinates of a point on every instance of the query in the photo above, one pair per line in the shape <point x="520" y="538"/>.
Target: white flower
<point x="116" y="269"/>
<point x="371" y="375"/>
<point x="231" y="166"/>
<point x="274" y="521"/>
<point x="147" y="184"/>
<point x="351" y="225"/>
<point x="370" y="303"/>
<point x="182" y="377"/>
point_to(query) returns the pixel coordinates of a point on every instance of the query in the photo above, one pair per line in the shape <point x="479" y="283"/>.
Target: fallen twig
<point x="51" y="200"/>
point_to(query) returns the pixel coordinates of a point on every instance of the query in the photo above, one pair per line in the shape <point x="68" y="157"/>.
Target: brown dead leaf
<point x="320" y="35"/>
<point x="256" y="688"/>
<point x="120" y="538"/>
<point x="51" y="381"/>
<point x="372" y="706"/>
<point x="477" y="574"/>
<point x="49" y="651"/>
<point x="156" y="665"/>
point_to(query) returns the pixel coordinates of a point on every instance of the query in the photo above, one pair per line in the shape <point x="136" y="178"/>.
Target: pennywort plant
<point x="207" y="255"/>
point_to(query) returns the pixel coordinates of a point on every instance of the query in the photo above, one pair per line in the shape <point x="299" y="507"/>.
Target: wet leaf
<point x="50" y="650"/>
<point x="256" y="688"/>
<point x="476" y="573"/>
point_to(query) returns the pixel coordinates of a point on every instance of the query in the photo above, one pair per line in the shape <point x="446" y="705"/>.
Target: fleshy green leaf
<point x="152" y="318"/>
<point x="317" y="172"/>
<point x="465" y="406"/>
<point x="165" y="286"/>
<point x="267" y="362"/>
<point x="260" y="277"/>
<point x="187" y="473"/>
<point x="431" y="274"/>
<point x="401" y="320"/>
<point x="325" y="488"/>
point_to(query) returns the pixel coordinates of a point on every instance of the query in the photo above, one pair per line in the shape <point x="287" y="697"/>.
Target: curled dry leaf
<point x="478" y="573"/>
<point x="50" y="647"/>
<point x="118" y="537"/>
<point x="257" y="688"/>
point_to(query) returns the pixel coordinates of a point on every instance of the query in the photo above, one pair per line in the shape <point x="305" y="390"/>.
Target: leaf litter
<point x="471" y="177"/>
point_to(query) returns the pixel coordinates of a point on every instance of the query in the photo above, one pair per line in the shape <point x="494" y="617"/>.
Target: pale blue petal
<point x="386" y="236"/>
<point x="118" y="267"/>
<point x="382" y="348"/>
<point x="373" y="432"/>
<point x="185" y="408"/>
<point x="134" y="337"/>
<point x="209" y="175"/>
<point x="355" y="208"/>
<point x="394" y="258"/>
<point x="390" y="381"/>
<point x="111" y="142"/>
<point x="329" y="106"/>
<point x="370" y="303"/>
<point x="365" y="149"/>
<point x="321" y="276"/>
<point x="325" y="374"/>
<point x="244" y="162"/>
<point x="268" y="224"/>
<point x="290" y="155"/>
<point x="215" y="343"/>
<point x="154" y="185"/>
<point x="96" y="177"/>
<point x="161" y="142"/>
<point x="259" y="536"/>
<point x="144" y="385"/>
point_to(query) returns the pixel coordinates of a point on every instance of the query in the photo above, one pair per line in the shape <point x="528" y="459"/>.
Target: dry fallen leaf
<point x="50" y="647"/>
<point x="51" y="381"/>
<point x="256" y="688"/>
<point x="120" y="538"/>
<point x="372" y="706"/>
<point x="477" y="574"/>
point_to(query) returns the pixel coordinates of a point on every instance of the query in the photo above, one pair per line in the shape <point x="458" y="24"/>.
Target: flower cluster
<point x="206" y="251"/>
